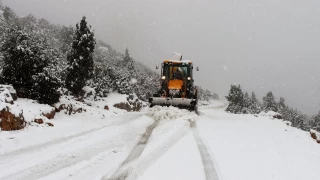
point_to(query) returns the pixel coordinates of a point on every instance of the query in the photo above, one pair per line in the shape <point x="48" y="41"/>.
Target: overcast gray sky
<point x="262" y="45"/>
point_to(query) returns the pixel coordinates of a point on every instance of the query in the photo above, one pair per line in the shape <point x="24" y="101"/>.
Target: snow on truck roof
<point x="177" y="61"/>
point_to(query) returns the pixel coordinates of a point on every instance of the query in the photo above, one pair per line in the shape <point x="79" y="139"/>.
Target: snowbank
<point x="5" y="96"/>
<point x="269" y="113"/>
<point x="249" y="148"/>
<point x="88" y="91"/>
<point x="32" y="109"/>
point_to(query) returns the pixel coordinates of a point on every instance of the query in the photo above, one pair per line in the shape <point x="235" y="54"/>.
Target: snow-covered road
<point x="160" y="143"/>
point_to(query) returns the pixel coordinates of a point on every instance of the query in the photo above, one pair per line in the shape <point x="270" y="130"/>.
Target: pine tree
<point x="255" y="106"/>
<point x="23" y="58"/>
<point x="235" y="99"/>
<point x="297" y="119"/>
<point x="8" y="14"/>
<point x="315" y="122"/>
<point x="80" y="59"/>
<point x="247" y="103"/>
<point x="269" y="103"/>
<point x="215" y="96"/>
<point x="281" y="104"/>
<point x="126" y="57"/>
<point x="66" y="34"/>
<point x="45" y="88"/>
<point x="129" y="63"/>
<point x="1" y="5"/>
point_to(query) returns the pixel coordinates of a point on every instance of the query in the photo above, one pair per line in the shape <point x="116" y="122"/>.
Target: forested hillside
<point x="46" y="47"/>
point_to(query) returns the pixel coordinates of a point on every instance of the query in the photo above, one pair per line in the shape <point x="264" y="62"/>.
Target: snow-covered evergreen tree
<point x="296" y="118"/>
<point x="215" y="96"/>
<point x="126" y="57"/>
<point x="8" y="14"/>
<point x="128" y="61"/>
<point x="255" y="105"/>
<point x="315" y="122"/>
<point x="45" y="88"/>
<point x="26" y="58"/>
<point x="269" y="103"/>
<point x="247" y="103"/>
<point x="66" y="35"/>
<point x="205" y="94"/>
<point x="281" y="104"/>
<point x="130" y="77"/>
<point x="80" y="60"/>
<point x="235" y="99"/>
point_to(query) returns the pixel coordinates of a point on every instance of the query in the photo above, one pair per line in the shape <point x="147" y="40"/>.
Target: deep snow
<point x="99" y="144"/>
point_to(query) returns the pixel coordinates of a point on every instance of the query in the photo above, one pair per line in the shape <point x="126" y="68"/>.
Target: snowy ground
<point x="158" y="143"/>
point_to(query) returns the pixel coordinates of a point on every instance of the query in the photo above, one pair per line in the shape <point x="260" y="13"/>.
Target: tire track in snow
<point x="207" y="161"/>
<point x="122" y="172"/>
<point x="36" y="147"/>
<point x="147" y="161"/>
<point x="60" y="162"/>
<point x="129" y="170"/>
<point x="65" y="160"/>
<point x="132" y="166"/>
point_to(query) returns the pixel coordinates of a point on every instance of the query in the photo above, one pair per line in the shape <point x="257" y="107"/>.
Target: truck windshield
<point x="175" y="71"/>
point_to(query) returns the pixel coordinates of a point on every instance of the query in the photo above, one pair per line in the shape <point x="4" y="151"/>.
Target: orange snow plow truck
<point x="177" y="85"/>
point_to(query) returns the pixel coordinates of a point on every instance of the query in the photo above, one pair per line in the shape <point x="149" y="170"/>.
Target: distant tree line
<point x="206" y="95"/>
<point x="243" y="103"/>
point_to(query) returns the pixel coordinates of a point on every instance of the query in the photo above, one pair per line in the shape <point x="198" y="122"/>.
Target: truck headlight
<point x="189" y="78"/>
<point x="163" y="77"/>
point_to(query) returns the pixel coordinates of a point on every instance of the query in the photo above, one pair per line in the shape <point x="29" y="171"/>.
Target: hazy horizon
<point x="264" y="46"/>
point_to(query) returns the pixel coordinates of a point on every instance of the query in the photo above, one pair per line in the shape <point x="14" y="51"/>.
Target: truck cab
<point x="177" y="85"/>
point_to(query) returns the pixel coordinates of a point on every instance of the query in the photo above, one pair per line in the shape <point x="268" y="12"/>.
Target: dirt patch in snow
<point x="133" y="104"/>
<point x="69" y="109"/>
<point x="130" y="107"/>
<point x="50" y="115"/>
<point x="315" y="135"/>
<point x="39" y="121"/>
<point x="11" y="121"/>
<point x="49" y="124"/>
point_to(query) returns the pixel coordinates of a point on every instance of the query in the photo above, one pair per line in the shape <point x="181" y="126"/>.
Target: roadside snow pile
<point x="70" y="106"/>
<point x="11" y="90"/>
<point x="170" y="113"/>
<point x="115" y="103"/>
<point x="32" y="108"/>
<point x="271" y="114"/>
<point x="36" y="114"/>
<point x="5" y="96"/>
<point x="88" y="91"/>
<point x="212" y="104"/>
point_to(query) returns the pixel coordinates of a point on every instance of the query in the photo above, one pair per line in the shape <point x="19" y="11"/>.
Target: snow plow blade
<point x="177" y="102"/>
